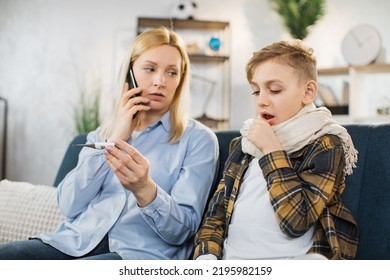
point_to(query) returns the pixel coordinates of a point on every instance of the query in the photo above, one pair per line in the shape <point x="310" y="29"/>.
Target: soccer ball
<point x="183" y="9"/>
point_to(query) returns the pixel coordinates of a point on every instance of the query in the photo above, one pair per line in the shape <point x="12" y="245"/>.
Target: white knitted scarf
<point x="309" y="124"/>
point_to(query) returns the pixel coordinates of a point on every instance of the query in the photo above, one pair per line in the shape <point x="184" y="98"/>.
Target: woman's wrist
<point x="146" y="195"/>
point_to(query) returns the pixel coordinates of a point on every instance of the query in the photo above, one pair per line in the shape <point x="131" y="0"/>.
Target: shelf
<point x="333" y="71"/>
<point x="374" y="120"/>
<point x="202" y="58"/>
<point x="211" y="89"/>
<point x="372" y="68"/>
<point x="215" y="124"/>
<point x="338" y="109"/>
<point x="360" y="107"/>
<point x="183" y="23"/>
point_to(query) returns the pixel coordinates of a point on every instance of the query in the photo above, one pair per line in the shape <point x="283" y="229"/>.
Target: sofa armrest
<point x="26" y="210"/>
<point x="70" y="158"/>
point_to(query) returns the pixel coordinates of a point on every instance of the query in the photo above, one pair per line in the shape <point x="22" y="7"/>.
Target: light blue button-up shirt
<point x="95" y="202"/>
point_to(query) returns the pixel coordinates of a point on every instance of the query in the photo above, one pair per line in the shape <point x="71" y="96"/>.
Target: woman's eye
<point x="148" y="69"/>
<point x="274" y="91"/>
<point x="172" y="73"/>
<point x="257" y="92"/>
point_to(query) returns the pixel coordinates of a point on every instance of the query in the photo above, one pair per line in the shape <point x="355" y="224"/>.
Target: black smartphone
<point x="132" y="81"/>
<point x="133" y="84"/>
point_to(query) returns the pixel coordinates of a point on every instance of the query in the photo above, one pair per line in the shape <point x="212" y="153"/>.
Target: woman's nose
<point x="159" y="80"/>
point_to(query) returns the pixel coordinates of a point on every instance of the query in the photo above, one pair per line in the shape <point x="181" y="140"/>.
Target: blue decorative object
<point x="215" y="43"/>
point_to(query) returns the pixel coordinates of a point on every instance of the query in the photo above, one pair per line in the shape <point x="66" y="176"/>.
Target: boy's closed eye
<point x="275" y="91"/>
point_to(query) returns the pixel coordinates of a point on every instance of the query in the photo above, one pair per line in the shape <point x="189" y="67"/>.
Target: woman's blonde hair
<point x="145" y="41"/>
<point x="291" y="53"/>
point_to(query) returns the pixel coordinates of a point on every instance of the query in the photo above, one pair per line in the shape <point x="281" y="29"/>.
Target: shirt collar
<point x="165" y="120"/>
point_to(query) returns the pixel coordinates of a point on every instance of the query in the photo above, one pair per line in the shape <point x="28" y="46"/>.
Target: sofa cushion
<point x="374" y="201"/>
<point x="224" y="139"/>
<point x="70" y="158"/>
<point x="361" y="136"/>
<point x="26" y="210"/>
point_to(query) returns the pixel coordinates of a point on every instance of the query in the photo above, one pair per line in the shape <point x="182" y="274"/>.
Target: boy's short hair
<point x="292" y="53"/>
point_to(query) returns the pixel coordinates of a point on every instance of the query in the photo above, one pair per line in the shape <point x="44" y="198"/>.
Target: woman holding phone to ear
<point x="144" y="197"/>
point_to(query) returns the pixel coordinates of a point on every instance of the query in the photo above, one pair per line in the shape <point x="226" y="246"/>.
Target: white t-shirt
<point x="254" y="232"/>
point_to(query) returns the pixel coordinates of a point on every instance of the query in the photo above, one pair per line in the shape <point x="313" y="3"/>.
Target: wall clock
<point x="361" y="45"/>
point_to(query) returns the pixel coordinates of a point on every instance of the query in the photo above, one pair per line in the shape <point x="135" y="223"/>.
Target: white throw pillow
<point x="26" y="210"/>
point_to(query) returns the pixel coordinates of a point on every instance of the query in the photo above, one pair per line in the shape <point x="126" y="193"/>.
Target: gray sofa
<point x="367" y="194"/>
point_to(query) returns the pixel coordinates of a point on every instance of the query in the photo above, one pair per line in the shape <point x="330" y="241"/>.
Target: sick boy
<point x="280" y="193"/>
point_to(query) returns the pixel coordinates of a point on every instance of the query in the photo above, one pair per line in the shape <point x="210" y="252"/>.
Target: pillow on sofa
<point x="26" y="210"/>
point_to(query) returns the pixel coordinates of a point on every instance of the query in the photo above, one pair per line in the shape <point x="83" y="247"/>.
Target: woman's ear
<point x="310" y="92"/>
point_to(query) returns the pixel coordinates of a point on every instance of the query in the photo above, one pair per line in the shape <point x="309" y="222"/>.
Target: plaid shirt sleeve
<point x="298" y="197"/>
<point x="210" y="237"/>
<point x="308" y="191"/>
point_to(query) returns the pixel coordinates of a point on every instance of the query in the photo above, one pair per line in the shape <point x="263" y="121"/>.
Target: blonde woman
<point x="142" y="198"/>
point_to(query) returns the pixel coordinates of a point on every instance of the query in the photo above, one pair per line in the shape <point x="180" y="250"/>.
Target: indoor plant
<point x="87" y="111"/>
<point x="299" y="15"/>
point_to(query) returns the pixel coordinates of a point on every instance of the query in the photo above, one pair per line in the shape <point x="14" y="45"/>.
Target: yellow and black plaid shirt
<point x="304" y="189"/>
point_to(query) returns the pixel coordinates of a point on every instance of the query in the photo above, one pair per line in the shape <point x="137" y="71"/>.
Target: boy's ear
<point x="310" y="92"/>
